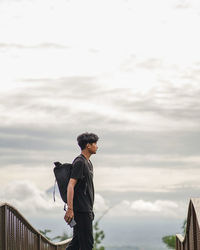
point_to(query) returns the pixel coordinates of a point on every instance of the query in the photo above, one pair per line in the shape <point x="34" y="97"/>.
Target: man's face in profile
<point x="92" y="147"/>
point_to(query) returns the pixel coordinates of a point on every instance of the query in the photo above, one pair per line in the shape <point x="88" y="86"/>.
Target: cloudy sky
<point x="127" y="70"/>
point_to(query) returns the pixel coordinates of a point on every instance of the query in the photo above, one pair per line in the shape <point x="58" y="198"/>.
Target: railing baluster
<point x="194" y="229"/>
<point x="192" y="236"/>
<point x="17" y="234"/>
<point x="5" y="227"/>
<point x="39" y="242"/>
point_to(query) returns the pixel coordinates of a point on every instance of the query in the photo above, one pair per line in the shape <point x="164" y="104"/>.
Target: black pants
<point x="82" y="232"/>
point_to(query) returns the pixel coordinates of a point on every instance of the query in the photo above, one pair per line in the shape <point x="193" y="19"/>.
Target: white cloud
<point x="157" y="206"/>
<point x="161" y="208"/>
<point x="145" y="206"/>
<point x="100" y="204"/>
<point x="29" y="199"/>
<point x="114" y="39"/>
<point x="144" y="179"/>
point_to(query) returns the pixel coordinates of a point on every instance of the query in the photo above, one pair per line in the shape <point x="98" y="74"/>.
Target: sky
<point x="126" y="70"/>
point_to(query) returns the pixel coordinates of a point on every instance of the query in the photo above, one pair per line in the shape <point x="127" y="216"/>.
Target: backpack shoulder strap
<point x="79" y="157"/>
<point x="54" y="191"/>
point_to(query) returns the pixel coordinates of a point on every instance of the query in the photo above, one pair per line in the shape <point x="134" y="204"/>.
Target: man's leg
<point x="74" y="243"/>
<point x="84" y="230"/>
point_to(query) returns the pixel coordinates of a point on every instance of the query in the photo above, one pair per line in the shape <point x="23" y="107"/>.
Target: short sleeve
<point x="77" y="170"/>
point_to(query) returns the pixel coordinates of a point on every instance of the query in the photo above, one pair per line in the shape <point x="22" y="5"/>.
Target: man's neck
<point x="86" y="154"/>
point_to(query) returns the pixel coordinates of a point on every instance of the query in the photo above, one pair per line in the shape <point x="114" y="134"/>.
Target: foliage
<point x="98" y="236"/>
<point x="64" y="236"/>
<point x="184" y="227"/>
<point x="45" y="233"/>
<point x="170" y="240"/>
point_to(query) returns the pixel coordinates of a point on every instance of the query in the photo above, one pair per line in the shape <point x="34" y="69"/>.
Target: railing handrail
<point x="62" y="242"/>
<point x="28" y="225"/>
<point x="192" y="233"/>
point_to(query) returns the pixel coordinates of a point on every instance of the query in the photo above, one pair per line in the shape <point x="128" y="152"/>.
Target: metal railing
<point x="191" y="241"/>
<point x="16" y="233"/>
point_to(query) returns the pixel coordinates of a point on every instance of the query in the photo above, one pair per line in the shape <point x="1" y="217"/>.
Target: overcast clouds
<point x="126" y="70"/>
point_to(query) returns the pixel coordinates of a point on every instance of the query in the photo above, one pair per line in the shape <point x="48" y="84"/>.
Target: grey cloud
<point x="95" y="51"/>
<point x="52" y="100"/>
<point x="61" y="88"/>
<point x="35" y="148"/>
<point x="192" y="75"/>
<point x="179" y="194"/>
<point x="183" y="4"/>
<point x="151" y="63"/>
<point x="172" y="102"/>
<point x="36" y="158"/>
<point x="28" y="143"/>
<point x="43" y="147"/>
<point x="52" y="137"/>
<point x="43" y="98"/>
<point x="129" y="63"/>
<point x="144" y="160"/>
<point x="144" y="142"/>
<point x="37" y="46"/>
<point x="132" y="62"/>
<point x="49" y="139"/>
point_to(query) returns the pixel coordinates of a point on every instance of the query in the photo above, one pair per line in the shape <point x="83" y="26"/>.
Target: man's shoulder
<point x="78" y="159"/>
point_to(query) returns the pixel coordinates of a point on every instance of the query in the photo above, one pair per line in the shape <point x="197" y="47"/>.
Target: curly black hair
<point x="86" y="138"/>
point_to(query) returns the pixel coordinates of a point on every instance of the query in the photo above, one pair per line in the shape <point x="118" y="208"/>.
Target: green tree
<point x="45" y="232"/>
<point x="64" y="236"/>
<point x="170" y="240"/>
<point x="184" y="226"/>
<point x="98" y="236"/>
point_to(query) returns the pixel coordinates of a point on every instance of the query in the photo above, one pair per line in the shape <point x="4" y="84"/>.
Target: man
<point x="80" y="194"/>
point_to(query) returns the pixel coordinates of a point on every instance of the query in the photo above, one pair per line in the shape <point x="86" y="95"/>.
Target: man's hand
<point x="69" y="215"/>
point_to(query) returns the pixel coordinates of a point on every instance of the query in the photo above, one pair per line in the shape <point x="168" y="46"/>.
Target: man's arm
<point x="70" y="196"/>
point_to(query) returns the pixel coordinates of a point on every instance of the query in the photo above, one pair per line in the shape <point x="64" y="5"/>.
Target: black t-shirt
<point x="82" y="170"/>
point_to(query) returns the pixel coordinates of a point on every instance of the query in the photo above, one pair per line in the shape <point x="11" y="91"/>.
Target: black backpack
<point x="62" y="174"/>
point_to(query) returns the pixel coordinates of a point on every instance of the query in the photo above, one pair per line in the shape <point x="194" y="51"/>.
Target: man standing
<point x="80" y="194"/>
